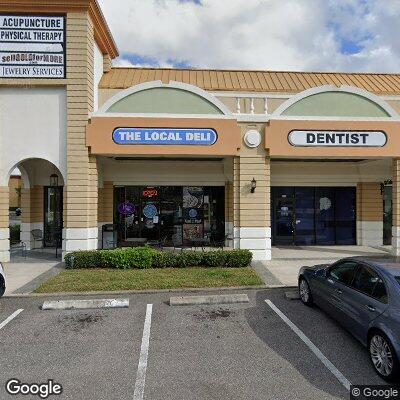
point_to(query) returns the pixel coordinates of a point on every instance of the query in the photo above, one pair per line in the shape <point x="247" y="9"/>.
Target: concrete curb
<point x="85" y="304"/>
<point x="206" y="300"/>
<point x="150" y="291"/>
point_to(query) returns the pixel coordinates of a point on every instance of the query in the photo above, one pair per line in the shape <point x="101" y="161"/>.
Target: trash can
<point x="108" y="236"/>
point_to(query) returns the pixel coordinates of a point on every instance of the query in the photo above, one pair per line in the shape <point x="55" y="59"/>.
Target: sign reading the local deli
<point x="32" y="46"/>
<point x="313" y="138"/>
<point x="165" y="136"/>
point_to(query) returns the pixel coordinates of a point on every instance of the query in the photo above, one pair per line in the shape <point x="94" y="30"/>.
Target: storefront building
<point x="252" y="159"/>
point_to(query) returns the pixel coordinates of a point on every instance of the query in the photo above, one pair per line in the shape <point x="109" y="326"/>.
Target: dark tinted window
<point x="343" y="272"/>
<point x="369" y="282"/>
<point x="380" y="291"/>
<point x="398" y="278"/>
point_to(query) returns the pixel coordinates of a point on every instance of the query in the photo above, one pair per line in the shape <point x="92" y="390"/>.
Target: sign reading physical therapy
<point x="165" y="136"/>
<point x="32" y="46"/>
<point x="311" y="138"/>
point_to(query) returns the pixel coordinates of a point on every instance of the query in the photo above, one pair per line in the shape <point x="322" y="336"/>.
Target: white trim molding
<point x="4" y="245"/>
<point x="75" y="239"/>
<point x="328" y="88"/>
<point x="369" y="233"/>
<point x="257" y="240"/>
<point x="102" y="112"/>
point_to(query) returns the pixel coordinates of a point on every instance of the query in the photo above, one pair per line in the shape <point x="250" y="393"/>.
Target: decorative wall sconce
<point x="53" y="180"/>
<point x="388" y="182"/>
<point x="253" y="185"/>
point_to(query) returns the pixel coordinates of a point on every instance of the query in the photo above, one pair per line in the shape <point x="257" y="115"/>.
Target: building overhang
<point x="101" y="131"/>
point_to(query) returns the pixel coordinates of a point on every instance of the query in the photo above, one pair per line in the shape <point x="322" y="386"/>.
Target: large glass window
<point x="304" y="219"/>
<point x="171" y="214"/>
<point x="313" y="215"/>
<point x="325" y="215"/>
<point x="345" y="215"/>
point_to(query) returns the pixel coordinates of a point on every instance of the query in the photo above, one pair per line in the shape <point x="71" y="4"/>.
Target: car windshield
<point x="397" y="279"/>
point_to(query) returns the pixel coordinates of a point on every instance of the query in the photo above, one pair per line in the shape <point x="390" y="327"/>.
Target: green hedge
<point x="146" y="257"/>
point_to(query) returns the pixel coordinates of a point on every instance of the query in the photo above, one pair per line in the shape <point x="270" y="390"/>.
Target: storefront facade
<point x="252" y="159"/>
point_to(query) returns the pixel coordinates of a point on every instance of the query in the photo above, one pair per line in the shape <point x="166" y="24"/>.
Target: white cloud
<point x="257" y="34"/>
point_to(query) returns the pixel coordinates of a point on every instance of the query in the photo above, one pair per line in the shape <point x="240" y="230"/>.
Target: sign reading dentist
<point x="337" y="138"/>
<point x="165" y="136"/>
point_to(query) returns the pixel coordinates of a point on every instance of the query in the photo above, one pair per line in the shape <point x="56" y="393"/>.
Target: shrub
<point x="165" y="260"/>
<point x="238" y="258"/>
<point x="215" y="259"/>
<point x="146" y="257"/>
<point x="83" y="259"/>
<point x="188" y="259"/>
<point x="137" y="257"/>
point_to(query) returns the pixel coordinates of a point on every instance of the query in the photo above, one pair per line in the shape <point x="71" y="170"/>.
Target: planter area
<point x="144" y="268"/>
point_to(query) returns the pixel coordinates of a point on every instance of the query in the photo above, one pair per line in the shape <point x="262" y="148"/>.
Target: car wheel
<point x="305" y="292"/>
<point x="383" y="357"/>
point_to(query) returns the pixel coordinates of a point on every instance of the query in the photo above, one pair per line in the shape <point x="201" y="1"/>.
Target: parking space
<point x="91" y="353"/>
<point x="240" y="351"/>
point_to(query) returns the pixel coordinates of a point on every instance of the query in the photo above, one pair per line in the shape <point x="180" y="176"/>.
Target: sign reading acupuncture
<point x="337" y="138"/>
<point x="165" y="136"/>
<point x="32" y="46"/>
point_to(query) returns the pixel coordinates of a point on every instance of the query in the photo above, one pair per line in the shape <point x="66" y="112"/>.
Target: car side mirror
<point x="321" y="273"/>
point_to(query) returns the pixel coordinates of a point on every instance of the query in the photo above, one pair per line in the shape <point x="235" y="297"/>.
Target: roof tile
<point x="251" y="81"/>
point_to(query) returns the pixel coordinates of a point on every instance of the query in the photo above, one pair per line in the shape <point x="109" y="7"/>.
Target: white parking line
<point x="339" y="376"/>
<point x="144" y="353"/>
<point x="10" y="318"/>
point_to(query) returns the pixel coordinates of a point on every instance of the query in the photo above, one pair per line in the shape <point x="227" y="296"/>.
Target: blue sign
<point x="126" y="208"/>
<point x="150" y="211"/>
<point x="169" y="136"/>
<point x="193" y="213"/>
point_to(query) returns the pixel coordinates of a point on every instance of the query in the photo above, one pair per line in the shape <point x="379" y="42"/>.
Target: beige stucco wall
<point x="162" y="173"/>
<point x="15" y="185"/>
<point x="301" y="173"/>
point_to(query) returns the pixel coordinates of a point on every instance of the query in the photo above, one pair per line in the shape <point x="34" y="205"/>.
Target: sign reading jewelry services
<point x="311" y="138"/>
<point x="165" y="136"/>
<point x="32" y="46"/>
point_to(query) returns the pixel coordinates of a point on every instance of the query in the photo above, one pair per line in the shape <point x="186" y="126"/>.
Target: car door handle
<point x="370" y="308"/>
<point x="338" y="291"/>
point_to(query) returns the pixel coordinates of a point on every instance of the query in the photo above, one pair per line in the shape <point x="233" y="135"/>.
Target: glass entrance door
<point x="283" y="216"/>
<point x="150" y="213"/>
<point x="53" y="216"/>
<point x="171" y="215"/>
<point x="387" y="215"/>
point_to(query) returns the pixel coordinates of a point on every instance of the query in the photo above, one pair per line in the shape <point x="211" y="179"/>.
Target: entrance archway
<point x="35" y="211"/>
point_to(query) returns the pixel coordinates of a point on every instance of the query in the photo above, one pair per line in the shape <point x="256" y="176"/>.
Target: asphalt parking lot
<point x="242" y="351"/>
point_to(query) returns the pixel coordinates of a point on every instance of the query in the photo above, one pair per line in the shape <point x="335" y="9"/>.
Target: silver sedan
<point x="363" y="294"/>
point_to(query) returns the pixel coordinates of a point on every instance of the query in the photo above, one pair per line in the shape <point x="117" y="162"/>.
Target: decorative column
<point x="4" y="224"/>
<point x="369" y="214"/>
<point x="396" y="208"/>
<point x="252" y="210"/>
<point x="80" y="192"/>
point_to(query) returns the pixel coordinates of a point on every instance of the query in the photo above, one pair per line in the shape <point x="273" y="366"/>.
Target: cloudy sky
<point x="317" y="35"/>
